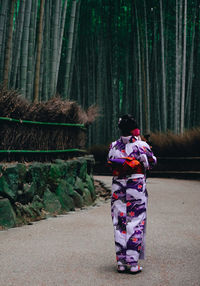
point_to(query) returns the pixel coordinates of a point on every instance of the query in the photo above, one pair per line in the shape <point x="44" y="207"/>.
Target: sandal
<point x="135" y="269"/>
<point x="121" y="269"/>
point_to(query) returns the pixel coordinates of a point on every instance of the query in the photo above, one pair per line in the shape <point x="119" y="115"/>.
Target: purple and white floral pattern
<point x="129" y="202"/>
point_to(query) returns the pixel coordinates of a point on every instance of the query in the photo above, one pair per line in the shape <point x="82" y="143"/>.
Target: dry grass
<point x="17" y="136"/>
<point x="172" y="145"/>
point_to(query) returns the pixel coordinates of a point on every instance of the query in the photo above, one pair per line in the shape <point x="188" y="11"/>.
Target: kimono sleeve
<point x="146" y="155"/>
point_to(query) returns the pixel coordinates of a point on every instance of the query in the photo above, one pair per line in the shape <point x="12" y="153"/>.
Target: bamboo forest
<point x="124" y="56"/>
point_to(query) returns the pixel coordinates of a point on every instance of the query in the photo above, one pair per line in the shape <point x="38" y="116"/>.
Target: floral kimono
<point x="129" y="159"/>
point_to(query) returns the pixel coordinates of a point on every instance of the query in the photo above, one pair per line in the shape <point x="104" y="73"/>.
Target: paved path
<point x="78" y="249"/>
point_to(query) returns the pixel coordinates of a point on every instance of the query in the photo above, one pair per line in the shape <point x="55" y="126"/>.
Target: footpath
<point x="77" y="249"/>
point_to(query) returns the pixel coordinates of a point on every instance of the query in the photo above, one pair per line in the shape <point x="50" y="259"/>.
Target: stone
<point x="26" y="195"/>
<point x="78" y="200"/>
<point x="83" y="169"/>
<point x="5" y="191"/>
<point x="12" y="177"/>
<point x="39" y="174"/>
<point x="66" y="201"/>
<point x="70" y="189"/>
<point x="7" y="214"/>
<point x="21" y="169"/>
<point x="87" y="199"/>
<point x="79" y="186"/>
<point x="54" y="174"/>
<point x="63" y="166"/>
<point x="72" y="168"/>
<point x="71" y="180"/>
<point x="90" y="185"/>
<point x="36" y="206"/>
<point x="51" y="202"/>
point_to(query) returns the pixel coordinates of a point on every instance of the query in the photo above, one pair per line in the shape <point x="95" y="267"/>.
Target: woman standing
<point x="129" y="158"/>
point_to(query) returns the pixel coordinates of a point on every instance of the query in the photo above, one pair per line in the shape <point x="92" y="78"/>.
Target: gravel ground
<point x="77" y="249"/>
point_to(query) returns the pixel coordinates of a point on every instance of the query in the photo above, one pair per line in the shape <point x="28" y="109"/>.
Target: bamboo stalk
<point x="69" y="49"/>
<point x="182" y="123"/>
<point x="54" y="47"/>
<point x="74" y="45"/>
<point x="63" y="18"/>
<point x="140" y="70"/>
<point x="24" y="48"/>
<point x="41" y="123"/>
<point x="3" y="16"/>
<point x="147" y="92"/>
<point x="46" y="48"/>
<point x="164" y="109"/>
<point x="9" y="45"/>
<point x="39" y="48"/>
<point x="17" y="43"/>
<point x="31" y="52"/>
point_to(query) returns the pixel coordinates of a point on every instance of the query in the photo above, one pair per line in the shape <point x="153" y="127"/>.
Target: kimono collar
<point x="128" y="139"/>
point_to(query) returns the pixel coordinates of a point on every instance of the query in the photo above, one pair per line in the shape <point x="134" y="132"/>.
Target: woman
<point x="129" y="158"/>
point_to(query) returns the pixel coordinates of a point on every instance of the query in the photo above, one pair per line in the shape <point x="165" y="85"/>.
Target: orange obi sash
<point x="122" y="167"/>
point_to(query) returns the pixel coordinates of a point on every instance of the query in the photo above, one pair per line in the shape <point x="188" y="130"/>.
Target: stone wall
<point x="33" y="191"/>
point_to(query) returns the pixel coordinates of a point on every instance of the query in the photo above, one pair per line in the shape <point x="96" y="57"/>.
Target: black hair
<point x="127" y="123"/>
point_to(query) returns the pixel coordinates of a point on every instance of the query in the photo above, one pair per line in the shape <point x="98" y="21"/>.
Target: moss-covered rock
<point x="55" y="174"/>
<point x="79" y="186"/>
<point x="27" y="193"/>
<point x="90" y="185"/>
<point x="5" y="191"/>
<point x="62" y="193"/>
<point x="29" y="212"/>
<point x="78" y="200"/>
<point x="32" y="190"/>
<point x="71" y="180"/>
<point x="51" y="202"/>
<point x="7" y="214"/>
<point x="36" y="206"/>
<point x="83" y="169"/>
<point x="12" y="178"/>
<point x="21" y="169"/>
<point x="39" y="173"/>
<point x="72" y="168"/>
<point x="87" y="199"/>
